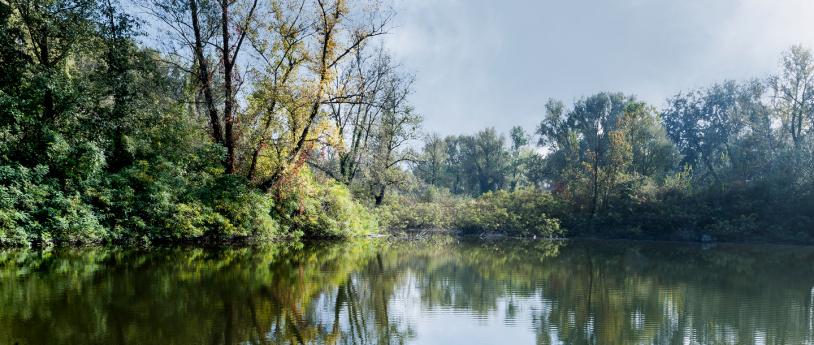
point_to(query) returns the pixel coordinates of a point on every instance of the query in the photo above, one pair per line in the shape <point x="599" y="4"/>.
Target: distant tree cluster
<point x="473" y="164"/>
<point x="734" y="159"/>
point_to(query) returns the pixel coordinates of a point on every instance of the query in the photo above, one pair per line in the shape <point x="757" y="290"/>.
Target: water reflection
<point x="436" y="291"/>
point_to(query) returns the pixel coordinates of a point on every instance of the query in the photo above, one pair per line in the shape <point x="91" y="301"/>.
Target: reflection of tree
<point x="673" y="294"/>
<point x="591" y="293"/>
<point x="255" y="295"/>
<point x="475" y="275"/>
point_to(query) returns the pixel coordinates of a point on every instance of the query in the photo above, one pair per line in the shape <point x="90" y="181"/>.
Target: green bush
<point x="433" y="209"/>
<point x="22" y="194"/>
<point x="244" y="210"/>
<point x="161" y="201"/>
<point x="74" y="201"/>
<point x="33" y="209"/>
<point x="323" y="209"/>
<point x="522" y="213"/>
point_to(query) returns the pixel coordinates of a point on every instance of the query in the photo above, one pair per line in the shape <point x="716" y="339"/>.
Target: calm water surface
<point x="436" y="291"/>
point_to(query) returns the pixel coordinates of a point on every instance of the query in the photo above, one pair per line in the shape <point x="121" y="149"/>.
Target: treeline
<point x="732" y="161"/>
<point x="282" y="119"/>
<point x="237" y="119"/>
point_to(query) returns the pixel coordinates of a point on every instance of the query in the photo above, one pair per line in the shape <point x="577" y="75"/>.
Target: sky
<point x="490" y="63"/>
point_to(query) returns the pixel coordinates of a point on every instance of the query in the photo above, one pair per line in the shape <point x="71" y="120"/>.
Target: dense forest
<point x="154" y="121"/>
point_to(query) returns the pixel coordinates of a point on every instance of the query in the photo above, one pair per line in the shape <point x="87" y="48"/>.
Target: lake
<point x="433" y="290"/>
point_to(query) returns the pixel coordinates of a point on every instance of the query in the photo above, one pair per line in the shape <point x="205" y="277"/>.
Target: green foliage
<point x="726" y="162"/>
<point x="34" y="209"/>
<point x="725" y="129"/>
<point x="467" y="164"/>
<point x="316" y="208"/>
<point x="100" y="143"/>
<point x="223" y="209"/>
<point x="522" y="213"/>
<point x="105" y="141"/>
<point x="433" y="209"/>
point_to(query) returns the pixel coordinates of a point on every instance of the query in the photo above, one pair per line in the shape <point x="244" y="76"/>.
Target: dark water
<point x="438" y="291"/>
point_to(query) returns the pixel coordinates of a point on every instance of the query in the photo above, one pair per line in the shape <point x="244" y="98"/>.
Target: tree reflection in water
<point x="393" y="292"/>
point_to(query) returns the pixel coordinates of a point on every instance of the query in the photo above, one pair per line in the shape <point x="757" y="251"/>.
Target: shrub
<point x="34" y="209"/>
<point x="323" y="209"/>
<point x="244" y="211"/>
<point x="162" y="201"/>
<point x="523" y="213"/>
<point x="22" y="194"/>
<point x="433" y="209"/>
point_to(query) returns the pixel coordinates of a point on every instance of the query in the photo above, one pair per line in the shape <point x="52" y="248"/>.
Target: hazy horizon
<point x="483" y="64"/>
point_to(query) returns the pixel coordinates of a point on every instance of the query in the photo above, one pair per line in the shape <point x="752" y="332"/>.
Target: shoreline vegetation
<point x="279" y="120"/>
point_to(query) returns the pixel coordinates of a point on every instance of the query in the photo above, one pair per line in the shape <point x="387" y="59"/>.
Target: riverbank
<point x="411" y="234"/>
<point x="741" y="214"/>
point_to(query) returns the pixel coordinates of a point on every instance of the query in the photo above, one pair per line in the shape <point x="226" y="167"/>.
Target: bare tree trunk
<point x="48" y="98"/>
<point x="380" y="195"/>
<point x="203" y="75"/>
<point x="228" y="116"/>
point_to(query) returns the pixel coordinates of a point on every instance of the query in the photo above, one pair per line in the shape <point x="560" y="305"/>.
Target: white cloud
<point x="494" y="63"/>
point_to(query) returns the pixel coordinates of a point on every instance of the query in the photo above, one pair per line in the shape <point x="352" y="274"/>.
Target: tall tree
<point x="519" y="140"/>
<point x="433" y="159"/>
<point x="485" y="158"/>
<point x="122" y="57"/>
<point x="207" y="31"/>
<point x="50" y="31"/>
<point x="397" y="127"/>
<point x="794" y="95"/>
<point x="706" y="125"/>
<point x="355" y="109"/>
<point x="590" y="125"/>
<point x="53" y="29"/>
<point x="652" y="153"/>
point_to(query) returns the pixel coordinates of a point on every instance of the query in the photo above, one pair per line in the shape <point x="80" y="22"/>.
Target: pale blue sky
<point x="484" y="63"/>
